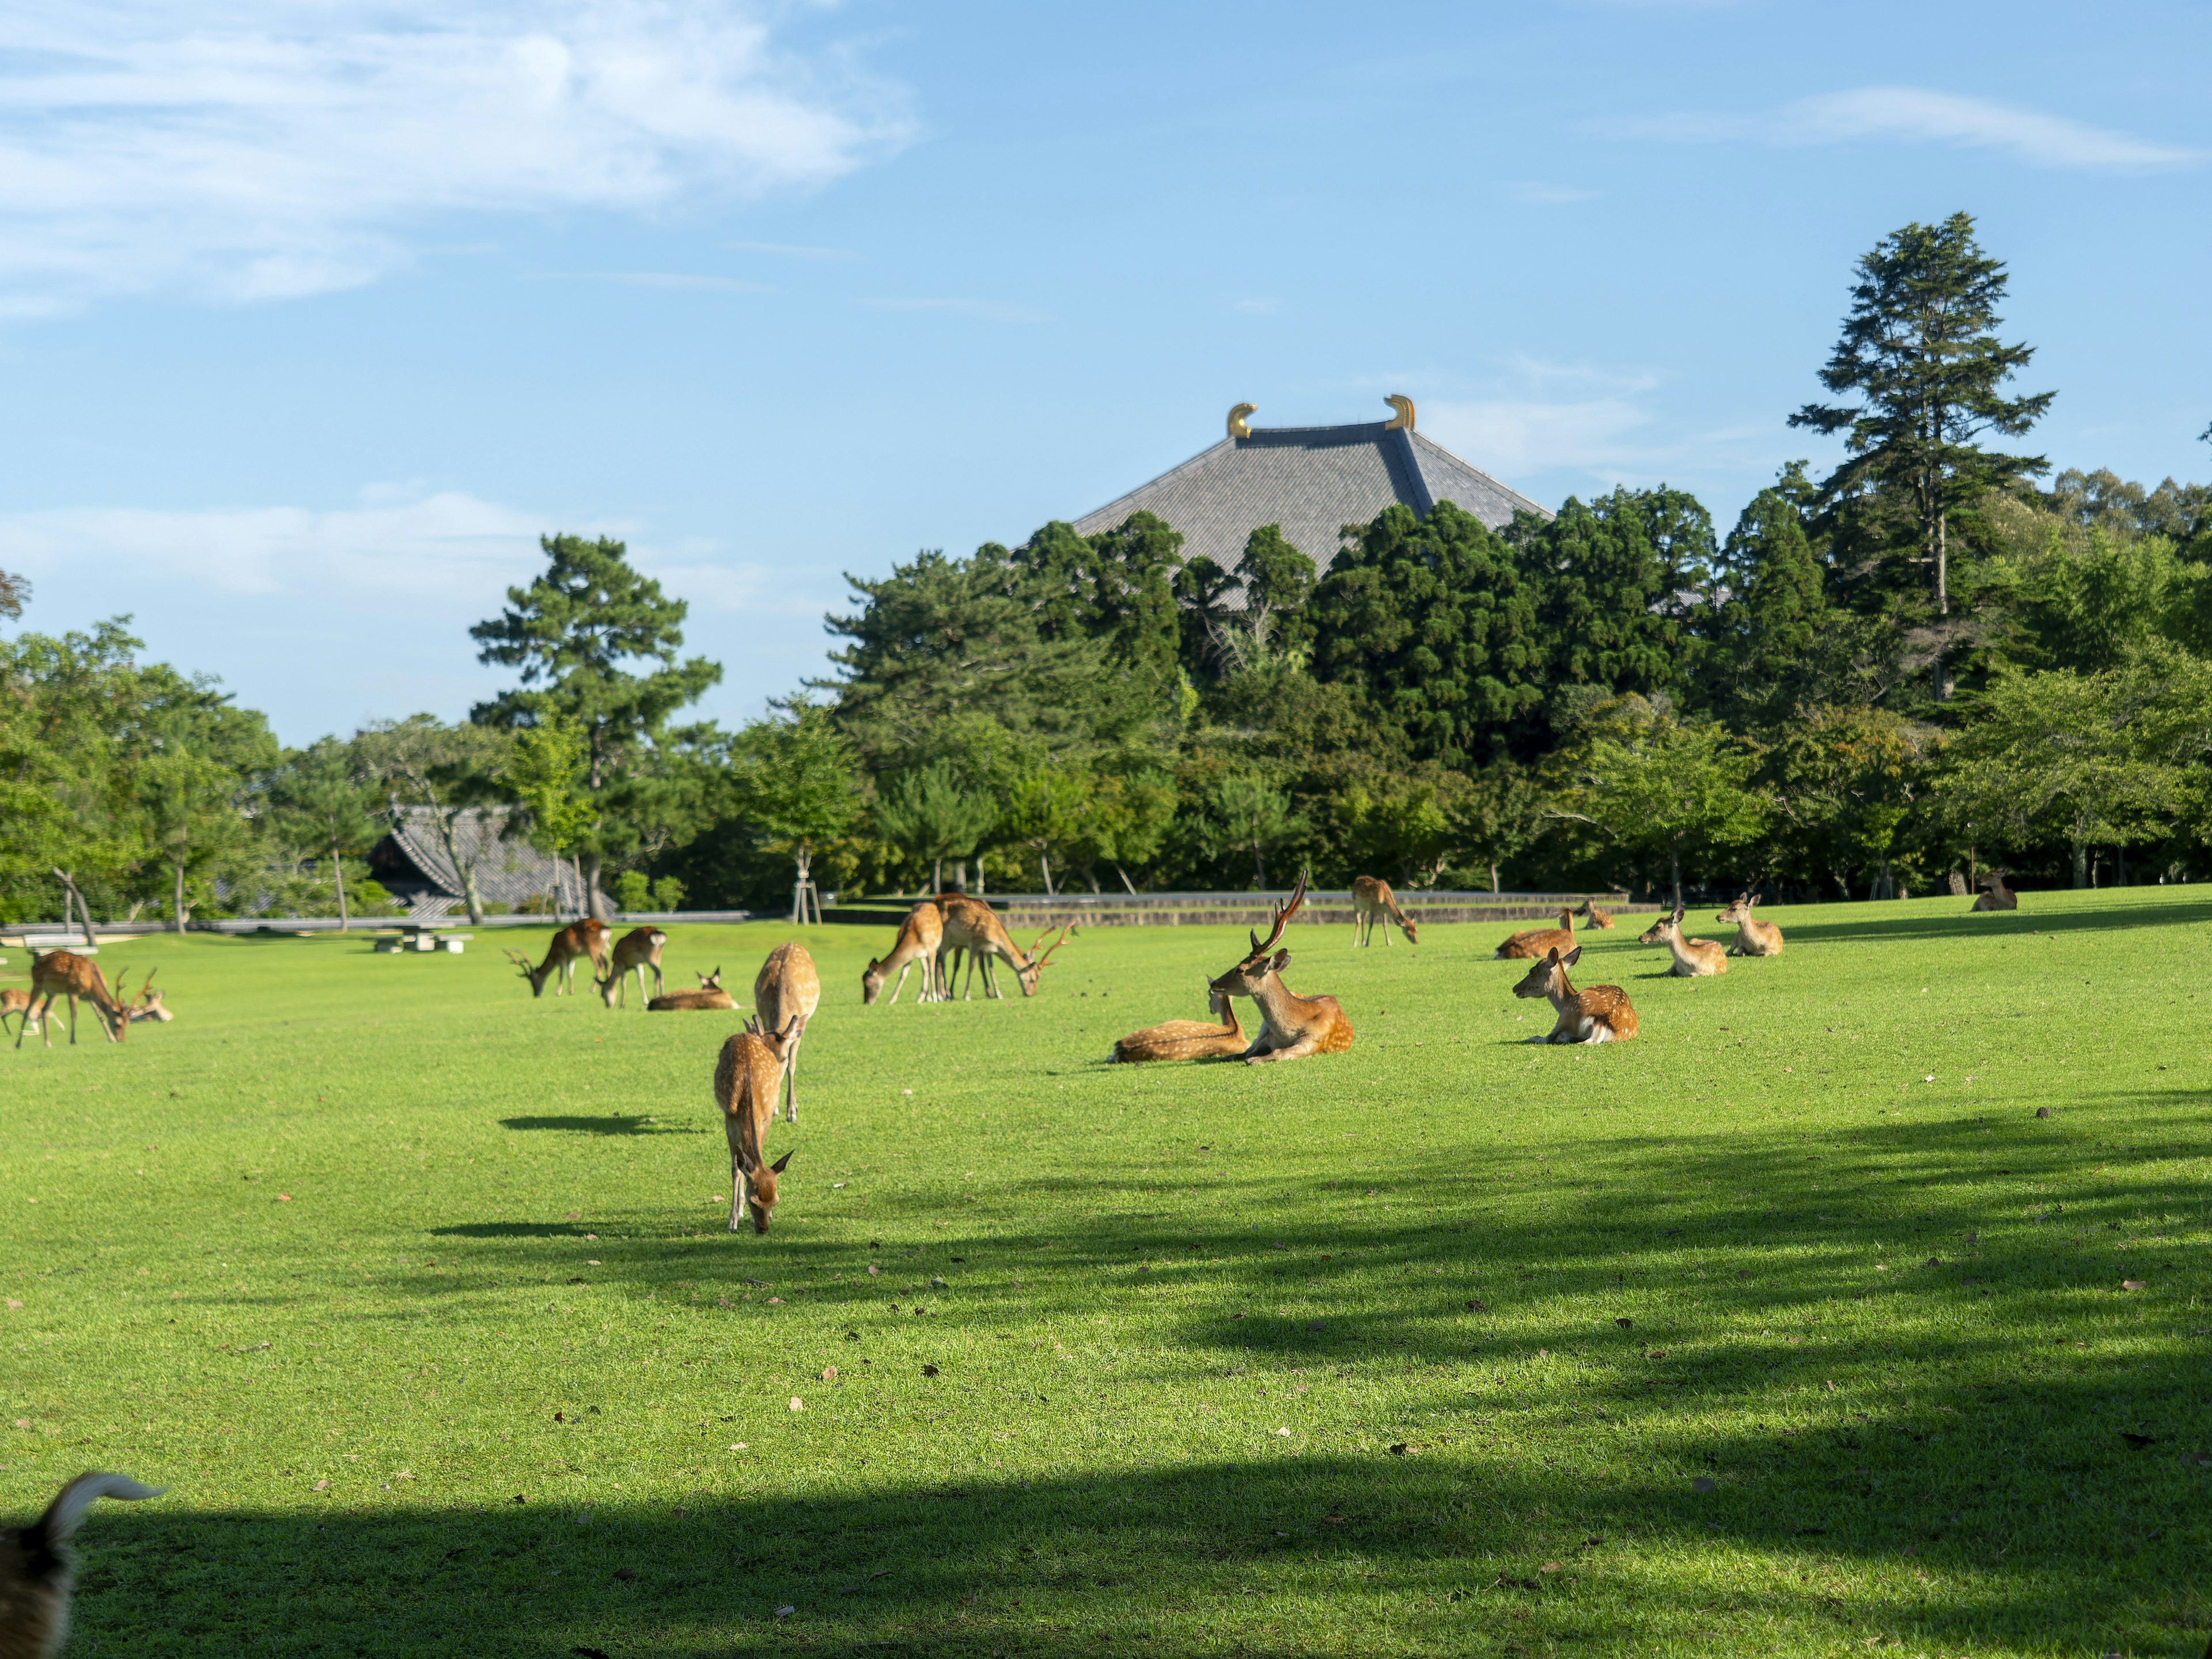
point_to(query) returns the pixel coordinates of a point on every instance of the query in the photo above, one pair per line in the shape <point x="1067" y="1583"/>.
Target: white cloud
<point x="677" y="280"/>
<point x="255" y="150"/>
<point x="1919" y="115"/>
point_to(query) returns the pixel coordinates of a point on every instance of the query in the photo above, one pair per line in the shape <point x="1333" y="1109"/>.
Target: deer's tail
<point x="62" y="1514"/>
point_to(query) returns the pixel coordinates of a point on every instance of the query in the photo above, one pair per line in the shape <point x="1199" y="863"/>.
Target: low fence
<point x="1256" y="909"/>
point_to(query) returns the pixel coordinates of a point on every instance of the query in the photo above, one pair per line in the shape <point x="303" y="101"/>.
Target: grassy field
<point x="1790" y="1327"/>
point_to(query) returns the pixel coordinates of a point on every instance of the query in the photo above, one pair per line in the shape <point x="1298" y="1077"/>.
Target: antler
<point x="1038" y="962"/>
<point x="1283" y="914"/>
<point x="146" y="985"/>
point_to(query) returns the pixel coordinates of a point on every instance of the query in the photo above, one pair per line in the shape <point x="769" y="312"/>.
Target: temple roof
<point x="1312" y="481"/>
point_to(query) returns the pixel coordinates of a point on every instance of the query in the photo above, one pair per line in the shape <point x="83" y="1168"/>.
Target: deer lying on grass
<point x="1372" y="899"/>
<point x="1599" y="1014"/>
<point x="746" y="1078"/>
<point x="1537" y="940"/>
<point x="634" y="953"/>
<point x="710" y="994"/>
<point x="38" y="1569"/>
<point x="973" y="927"/>
<point x="1754" y="937"/>
<point x="1292" y="1027"/>
<point x="18" y="1003"/>
<point x="920" y="936"/>
<point x="1186" y="1039"/>
<point x="579" y="941"/>
<point x="1591" y="913"/>
<point x="64" y="973"/>
<point x="786" y="988"/>
<point x="1694" y="959"/>
<point x="1998" y="896"/>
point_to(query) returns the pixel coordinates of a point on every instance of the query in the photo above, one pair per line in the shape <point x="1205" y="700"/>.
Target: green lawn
<point x="1789" y="1327"/>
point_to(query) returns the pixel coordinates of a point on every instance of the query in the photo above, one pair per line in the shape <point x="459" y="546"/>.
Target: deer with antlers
<point x="709" y="995"/>
<point x="752" y="1065"/>
<point x="634" y="952"/>
<point x="1754" y="937"/>
<point x="1592" y="913"/>
<point x="1186" y="1039"/>
<point x="788" y="988"/>
<point x="579" y="941"/>
<point x="973" y="927"/>
<point x="1597" y="1013"/>
<point x="1372" y="901"/>
<point x="920" y="935"/>
<point x="65" y="974"/>
<point x="1694" y="959"/>
<point x="1291" y="1027"/>
<point x="1535" y="941"/>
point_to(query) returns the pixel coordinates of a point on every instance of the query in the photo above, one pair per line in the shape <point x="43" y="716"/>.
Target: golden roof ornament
<point x="1403" y="420"/>
<point x="1240" y="420"/>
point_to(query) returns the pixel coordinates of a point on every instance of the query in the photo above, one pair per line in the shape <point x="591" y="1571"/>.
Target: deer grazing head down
<point x="1247" y="976"/>
<point x="528" y="971"/>
<point x="750" y="1118"/>
<point x="1029" y="972"/>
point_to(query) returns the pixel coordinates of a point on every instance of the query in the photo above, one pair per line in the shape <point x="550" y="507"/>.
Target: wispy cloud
<point x="791" y="250"/>
<point x="1920" y="115"/>
<point x="669" y="279"/>
<point x="257" y="149"/>
<point x="996" y="311"/>
<point x="1531" y="190"/>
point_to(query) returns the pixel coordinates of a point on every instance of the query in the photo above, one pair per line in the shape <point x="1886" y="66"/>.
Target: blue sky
<point x="313" y="316"/>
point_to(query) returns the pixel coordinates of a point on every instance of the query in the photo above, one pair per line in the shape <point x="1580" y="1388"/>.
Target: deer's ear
<point x="1282" y="961"/>
<point x="778" y="1165"/>
<point x="1254" y="938"/>
<point x="1571" y="956"/>
<point x="1552" y="956"/>
<point x="1677" y="916"/>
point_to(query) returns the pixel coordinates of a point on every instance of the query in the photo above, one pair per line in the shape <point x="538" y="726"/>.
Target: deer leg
<point x="72" y="1019"/>
<point x="1297" y="1050"/>
<point x="791" y="1078"/>
<point x="737" y="1190"/>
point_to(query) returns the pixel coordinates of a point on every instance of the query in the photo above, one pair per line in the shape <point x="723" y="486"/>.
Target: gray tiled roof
<point x="1312" y="481"/>
<point x="508" y="871"/>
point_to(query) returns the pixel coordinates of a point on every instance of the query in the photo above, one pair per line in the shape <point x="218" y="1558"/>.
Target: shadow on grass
<point x="2005" y="924"/>
<point x="619" y="1124"/>
<point x="505" y="1229"/>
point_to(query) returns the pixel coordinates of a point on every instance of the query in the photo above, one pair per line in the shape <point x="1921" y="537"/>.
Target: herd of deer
<point x="56" y="974"/>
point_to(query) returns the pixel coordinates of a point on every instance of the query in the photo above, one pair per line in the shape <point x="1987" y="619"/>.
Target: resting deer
<point x="1186" y="1039"/>
<point x="1694" y="959"/>
<point x="18" y="1003"/>
<point x="38" y="1569"/>
<point x="973" y="927"/>
<point x="746" y="1078"/>
<point x="634" y="953"/>
<point x="920" y="936"/>
<point x="579" y="941"/>
<point x="65" y="974"/>
<point x="1998" y="896"/>
<point x="1592" y="914"/>
<point x="786" y="988"/>
<point x="710" y="994"/>
<point x="1754" y="937"/>
<point x="1372" y="899"/>
<point x="1292" y="1027"/>
<point x="1600" y="1014"/>
<point x="1537" y="940"/>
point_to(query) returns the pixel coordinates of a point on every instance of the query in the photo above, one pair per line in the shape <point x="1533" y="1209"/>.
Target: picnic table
<point x="418" y="936"/>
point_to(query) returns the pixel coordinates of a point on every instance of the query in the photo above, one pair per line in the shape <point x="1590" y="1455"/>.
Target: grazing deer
<point x="1754" y="937"/>
<point x="1694" y="959"/>
<point x="1186" y="1039"/>
<point x="18" y="1003"/>
<point x="1372" y="899"/>
<point x="1998" y="895"/>
<point x="1592" y="914"/>
<point x="64" y="973"/>
<point x="1537" y="940"/>
<point x="579" y="941"/>
<point x="1600" y="1014"/>
<point x="973" y="927"/>
<point x="1292" y="1027"/>
<point x="38" y="1569"/>
<point x="920" y="936"/>
<point x="786" y="988"/>
<point x="710" y="994"/>
<point x="746" y="1078"/>
<point x="634" y="952"/>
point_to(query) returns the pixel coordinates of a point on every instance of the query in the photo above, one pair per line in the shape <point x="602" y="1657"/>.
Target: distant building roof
<point x="411" y="863"/>
<point x="1312" y="481"/>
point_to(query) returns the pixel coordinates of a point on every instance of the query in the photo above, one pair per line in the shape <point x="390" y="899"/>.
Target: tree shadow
<point x="619" y="1124"/>
<point x="499" y="1229"/>
<point x="2002" y="924"/>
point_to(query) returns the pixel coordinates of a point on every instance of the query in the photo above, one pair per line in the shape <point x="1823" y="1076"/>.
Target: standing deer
<point x="1694" y="959"/>
<point x="1371" y="900"/>
<point x="1599" y="1014"/>
<point x="1592" y="914"/>
<point x="1537" y="940"/>
<point x="973" y="927"/>
<point x="1186" y="1039"/>
<point x="18" y="1003"/>
<point x="579" y="941"/>
<point x="920" y="936"/>
<point x="1754" y="937"/>
<point x="1998" y="895"/>
<point x="710" y="994"/>
<point x="64" y="973"/>
<point x="786" y="989"/>
<point x="1292" y="1027"/>
<point x="634" y="953"/>
<point x="38" y="1569"/>
<point x="745" y="1077"/>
